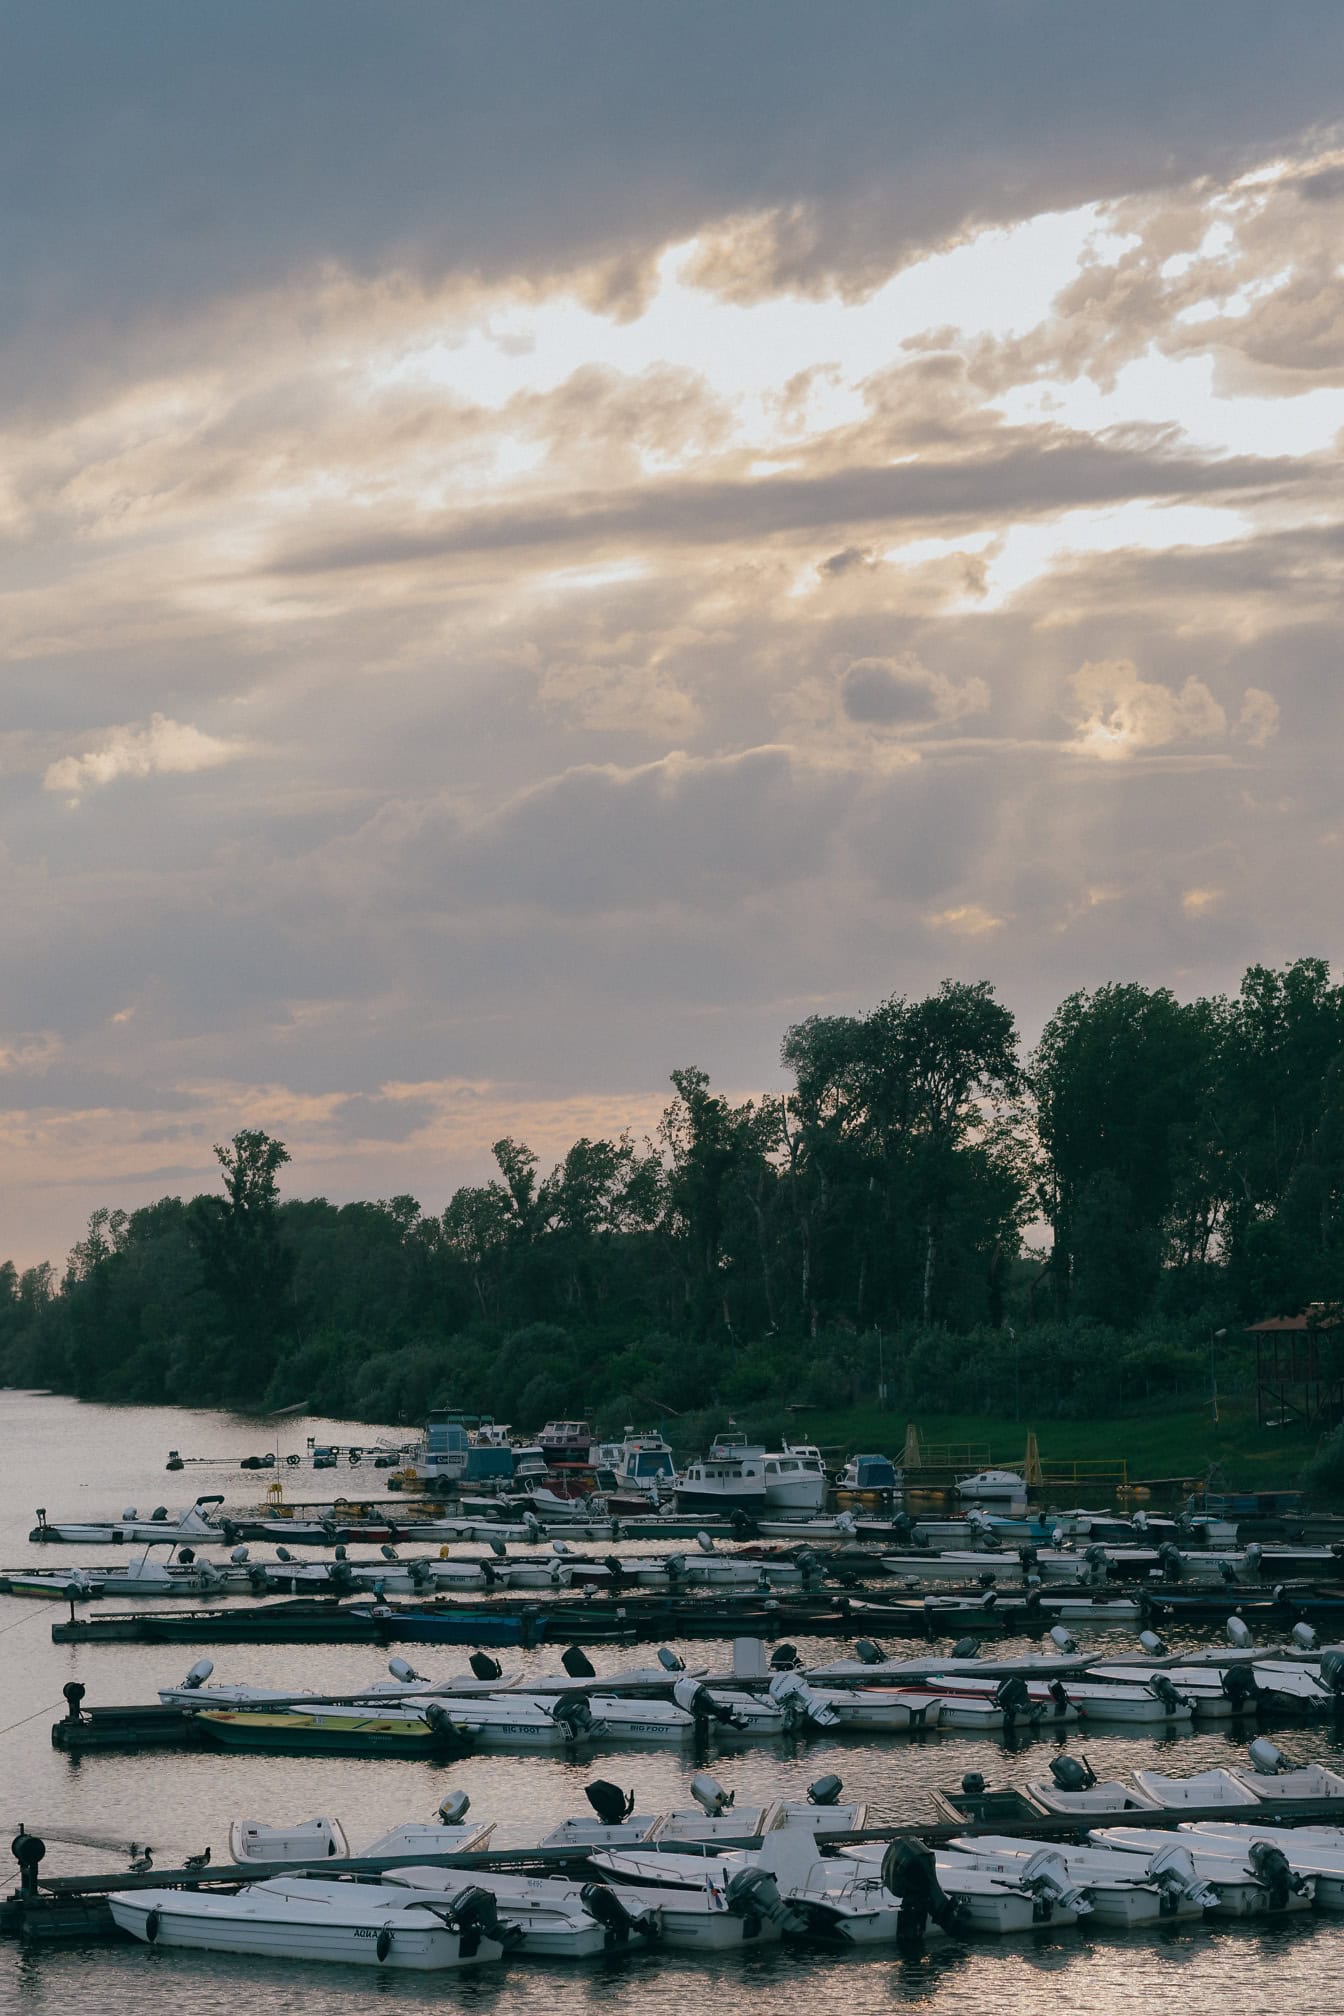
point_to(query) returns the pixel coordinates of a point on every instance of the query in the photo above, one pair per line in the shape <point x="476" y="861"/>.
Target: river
<point x="89" y="1462"/>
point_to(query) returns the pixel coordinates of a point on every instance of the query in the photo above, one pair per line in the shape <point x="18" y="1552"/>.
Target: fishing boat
<point x="303" y="1841"/>
<point x="1097" y="1701"/>
<point x="1119" y="1891"/>
<point x="1309" y="1851"/>
<point x="334" y="1732"/>
<point x="698" y="1902"/>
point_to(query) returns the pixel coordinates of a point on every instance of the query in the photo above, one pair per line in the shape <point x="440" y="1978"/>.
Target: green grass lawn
<point x="1177" y="1444"/>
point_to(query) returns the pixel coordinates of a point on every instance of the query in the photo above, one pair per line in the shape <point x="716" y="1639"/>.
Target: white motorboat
<point x="1121" y="1892"/>
<point x="1247" y="1883"/>
<point x="646" y="1463"/>
<point x="1210" y="1700"/>
<point x="1313" y="1852"/>
<point x="450" y="1834"/>
<point x="967" y="1565"/>
<point x="1104" y="1795"/>
<point x="730" y="1478"/>
<point x="993" y="1486"/>
<point x="161" y="1527"/>
<point x="303" y="1841"/>
<point x="1294" y="1781"/>
<point x="1204" y="1788"/>
<point x="986" y="1900"/>
<point x="557" y="1919"/>
<point x="304" y="1918"/>
<point x="1096" y="1701"/>
<point x="698" y="1902"/>
<point x="795" y="1480"/>
<point x="68" y="1585"/>
<point x="1293" y="1690"/>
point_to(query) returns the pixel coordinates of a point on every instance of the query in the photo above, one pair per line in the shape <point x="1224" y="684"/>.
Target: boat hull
<point x="181" y="1922"/>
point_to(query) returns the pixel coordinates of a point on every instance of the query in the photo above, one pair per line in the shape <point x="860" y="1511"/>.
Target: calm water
<point x="90" y="1462"/>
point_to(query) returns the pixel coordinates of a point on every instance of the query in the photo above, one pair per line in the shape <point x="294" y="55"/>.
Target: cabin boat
<point x="567" y="1442"/>
<point x="795" y="1480"/>
<point x="646" y="1463"/>
<point x="730" y="1478"/>
<point x="869" y="1483"/>
<point x="993" y="1486"/>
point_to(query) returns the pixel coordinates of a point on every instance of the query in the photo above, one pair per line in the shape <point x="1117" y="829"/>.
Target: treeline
<point x="926" y="1204"/>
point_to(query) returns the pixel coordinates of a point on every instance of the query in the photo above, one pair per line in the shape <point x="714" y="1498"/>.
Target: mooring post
<point x="28" y="1851"/>
<point x="74" y="1692"/>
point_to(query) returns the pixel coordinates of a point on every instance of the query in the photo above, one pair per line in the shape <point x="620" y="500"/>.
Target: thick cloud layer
<point x="542" y="544"/>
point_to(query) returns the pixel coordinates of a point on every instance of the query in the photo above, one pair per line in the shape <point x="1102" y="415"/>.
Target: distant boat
<point x="730" y="1478"/>
<point x="993" y="1485"/>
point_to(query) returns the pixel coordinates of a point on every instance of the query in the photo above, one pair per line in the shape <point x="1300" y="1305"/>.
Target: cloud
<point x="966" y="920"/>
<point x="1118" y="714"/>
<point x="1258" y="721"/>
<point x="163" y="748"/>
<point x="1199" y="902"/>
<point x="615" y="698"/>
<point x="902" y="693"/>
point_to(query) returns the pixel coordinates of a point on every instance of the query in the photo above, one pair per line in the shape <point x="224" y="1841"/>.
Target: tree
<point x="245" y="1259"/>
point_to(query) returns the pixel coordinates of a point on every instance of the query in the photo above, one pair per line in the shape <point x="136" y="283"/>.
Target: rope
<point x="50" y="1709"/>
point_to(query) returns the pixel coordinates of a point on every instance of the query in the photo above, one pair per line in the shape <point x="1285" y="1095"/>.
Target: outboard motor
<point x="743" y="1526"/>
<point x="283" y="1554"/>
<point x="158" y="1515"/>
<point x="784" y="1659"/>
<point x="1029" y="1558"/>
<point x="499" y="1548"/>
<point x="846" y="1523"/>
<point x="792" y="1692"/>
<point x="670" y="1661"/>
<point x="239" y="1557"/>
<point x="1305" y="1636"/>
<point x="604" y="1903"/>
<point x="473" y="1914"/>
<point x="1170" y="1558"/>
<point x="985" y="1580"/>
<point x="422" y="1577"/>
<point x="388" y="1551"/>
<point x="699" y="1702"/>
<point x="1241" y="1687"/>
<point x="966" y="1648"/>
<point x="531" y="1526"/>
<point x="1255" y="1554"/>
<point x="1332" y="1671"/>
<point x="1238" y="1632"/>
<point x="484" y="1667"/>
<point x="709" y="1795"/>
<point x="610" y="1804"/>
<point x="1274" y="1870"/>
<point x="1140" y="1521"/>
<point x="1048" y="1879"/>
<point x="973" y="1784"/>
<point x="1153" y="1644"/>
<point x="443" y="1725"/>
<point x="1228" y="1570"/>
<point x="577" y="1663"/>
<point x="869" y="1654"/>
<point x="910" y="1874"/>
<point x="1072" y="1774"/>
<point x="574" y="1715"/>
<point x="1062" y="1638"/>
<point x="454" y="1809"/>
<point x="754" y="1894"/>
<point x="824" y="1791"/>
<point x="1057" y="1536"/>
<point x="1059" y="1694"/>
<point x="402" y="1669"/>
<point x="186" y="1555"/>
<point x="1173" y="1871"/>
<point x="674" y="1566"/>
<point x="259" y="1582"/>
<point x="1267" y="1758"/>
<point x="1161" y="1689"/>
<point x="703" y="1542"/>
<point x="341" y="1576"/>
<point x="199" y="1673"/>
<point x="1012" y="1697"/>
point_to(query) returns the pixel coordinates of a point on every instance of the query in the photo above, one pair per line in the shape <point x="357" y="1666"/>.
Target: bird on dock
<point x="197" y="1861"/>
<point x="142" y="1864"/>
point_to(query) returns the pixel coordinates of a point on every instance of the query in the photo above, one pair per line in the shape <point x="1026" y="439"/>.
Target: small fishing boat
<point x="1247" y="1881"/>
<point x="304" y="1918"/>
<point x="1203" y="1788"/>
<point x="333" y="1732"/>
<point x="198" y="1523"/>
<point x="1314" y="1852"/>
<point x="1120" y="1893"/>
<point x="302" y="1841"/>
<point x="556" y="1919"/>
<point x="698" y="1902"/>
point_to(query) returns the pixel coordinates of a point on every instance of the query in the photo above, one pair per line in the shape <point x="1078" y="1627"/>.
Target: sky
<point x="543" y="543"/>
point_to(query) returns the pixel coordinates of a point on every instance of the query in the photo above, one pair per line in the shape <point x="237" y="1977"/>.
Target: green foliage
<point x="779" y="1253"/>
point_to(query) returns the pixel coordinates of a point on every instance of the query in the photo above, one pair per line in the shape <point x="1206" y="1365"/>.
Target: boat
<point x="198" y="1523"/>
<point x="699" y="1902"/>
<point x="1078" y="1801"/>
<point x="303" y="1841"/>
<point x="730" y="1478"/>
<point x="795" y="1479"/>
<point x="646" y="1463"/>
<point x="869" y="1483"/>
<point x="1120" y="1892"/>
<point x="993" y="1486"/>
<point x="1202" y="1789"/>
<point x="1318" y="1853"/>
<point x="331" y="1732"/>
<point x="1247" y="1881"/>
<point x="1099" y="1701"/>
<point x="306" y="1918"/>
<point x="554" y="1917"/>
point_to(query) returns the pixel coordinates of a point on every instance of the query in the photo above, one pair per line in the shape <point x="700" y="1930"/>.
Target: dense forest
<point x="926" y="1200"/>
